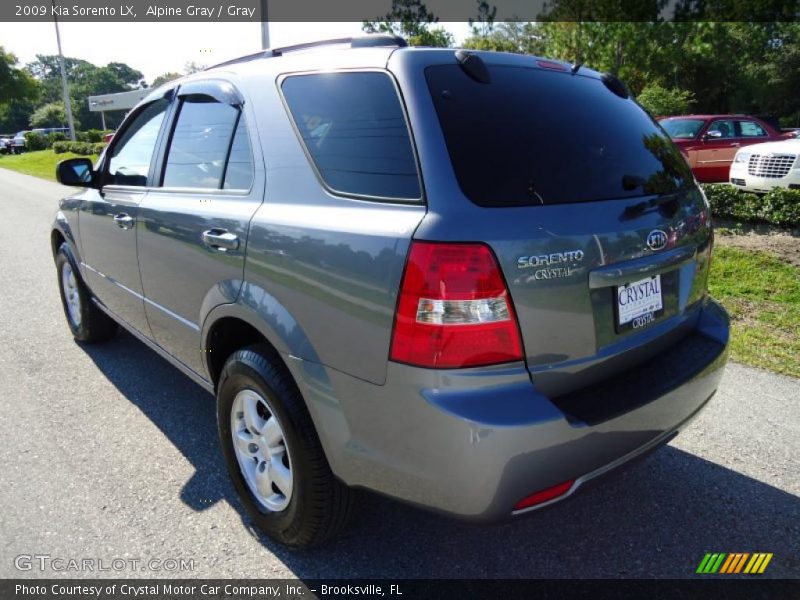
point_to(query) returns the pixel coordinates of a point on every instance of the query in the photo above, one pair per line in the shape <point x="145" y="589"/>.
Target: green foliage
<point x="56" y="136"/>
<point x="81" y="148"/>
<point x="61" y="147"/>
<point x="85" y="79"/>
<point x="18" y="94"/>
<point x="663" y="102"/>
<point x="91" y="136"/>
<point x="51" y="114"/>
<point x="35" y="141"/>
<point x="165" y="78"/>
<point x="411" y="20"/>
<point x="779" y="206"/>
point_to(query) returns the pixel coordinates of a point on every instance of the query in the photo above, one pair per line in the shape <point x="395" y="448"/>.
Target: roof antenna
<point x="575" y="66"/>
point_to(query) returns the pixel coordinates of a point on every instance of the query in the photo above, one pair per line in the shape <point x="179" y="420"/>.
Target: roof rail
<point x="361" y="41"/>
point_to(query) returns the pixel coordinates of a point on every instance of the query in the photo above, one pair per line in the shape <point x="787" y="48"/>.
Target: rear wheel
<point x="274" y="455"/>
<point x="86" y="321"/>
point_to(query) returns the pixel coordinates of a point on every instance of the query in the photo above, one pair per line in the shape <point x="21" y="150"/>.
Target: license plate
<point x="639" y="302"/>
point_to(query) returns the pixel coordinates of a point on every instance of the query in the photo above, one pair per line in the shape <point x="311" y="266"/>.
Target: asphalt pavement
<point x="109" y="453"/>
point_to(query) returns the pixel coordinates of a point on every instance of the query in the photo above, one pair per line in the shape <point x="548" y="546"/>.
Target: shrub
<point x="663" y="102"/>
<point x="35" y="141"/>
<point x="56" y="136"/>
<point x="779" y="206"/>
<point x="92" y="136"/>
<point x="82" y="148"/>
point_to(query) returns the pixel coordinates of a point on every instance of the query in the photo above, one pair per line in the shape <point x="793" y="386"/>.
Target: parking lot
<point x="109" y="452"/>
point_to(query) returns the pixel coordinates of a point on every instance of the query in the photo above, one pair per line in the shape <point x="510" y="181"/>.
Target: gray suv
<point x="472" y="281"/>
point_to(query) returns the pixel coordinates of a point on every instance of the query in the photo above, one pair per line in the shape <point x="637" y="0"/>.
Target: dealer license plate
<point x="639" y="303"/>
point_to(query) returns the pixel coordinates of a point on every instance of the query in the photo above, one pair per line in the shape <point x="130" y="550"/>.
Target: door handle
<point x="736" y="144"/>
<point x="220" y="239"/>
<point x="123" y="220"/>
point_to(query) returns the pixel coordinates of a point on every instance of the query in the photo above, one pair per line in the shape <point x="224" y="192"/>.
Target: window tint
<point x="685" y="129"/>
<point x="534" y="136"/>
<point x="200" y="143"/>
<point x="726" y="129"/>
<point x="354" y="128"/>
<point x="751" y="129"/>
<point x="239" y="172"/>
<point x="133" y="150"/>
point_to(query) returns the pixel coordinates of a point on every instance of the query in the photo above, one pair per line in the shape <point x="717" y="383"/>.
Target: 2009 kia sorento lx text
<point x="472" y="281"/>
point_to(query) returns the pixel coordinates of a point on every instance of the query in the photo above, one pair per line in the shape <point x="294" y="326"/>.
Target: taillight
<point x="454" y="309"/>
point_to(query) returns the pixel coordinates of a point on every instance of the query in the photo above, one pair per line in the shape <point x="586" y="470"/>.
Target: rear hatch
<point x="598" y="225"/>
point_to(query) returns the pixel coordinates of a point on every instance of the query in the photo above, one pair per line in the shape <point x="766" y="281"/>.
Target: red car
<point x="710" y="141"/>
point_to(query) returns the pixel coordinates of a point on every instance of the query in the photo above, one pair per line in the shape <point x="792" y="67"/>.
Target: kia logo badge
<point x="656" y="239"/>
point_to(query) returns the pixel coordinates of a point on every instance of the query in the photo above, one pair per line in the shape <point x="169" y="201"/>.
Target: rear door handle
<point x="123" y="221"/>
<point x="220" y="239"/>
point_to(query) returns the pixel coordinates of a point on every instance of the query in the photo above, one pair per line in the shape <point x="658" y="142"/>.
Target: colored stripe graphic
<point x="722" y="563"/>
<point x="711" y="562"/>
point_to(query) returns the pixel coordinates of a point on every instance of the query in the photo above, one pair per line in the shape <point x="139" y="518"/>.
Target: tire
<point x="86" y="321"/>
<point x="317" y="505"/>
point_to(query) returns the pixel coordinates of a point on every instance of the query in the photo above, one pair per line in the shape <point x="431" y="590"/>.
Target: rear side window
<point x="533" y="136"/>
<point x="751" y="129"/>
<point x="206" y="132"/>
<point x="354" y="130"/>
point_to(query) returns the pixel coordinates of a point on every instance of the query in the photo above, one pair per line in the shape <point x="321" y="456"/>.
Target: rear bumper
<point x="473" y="443"/>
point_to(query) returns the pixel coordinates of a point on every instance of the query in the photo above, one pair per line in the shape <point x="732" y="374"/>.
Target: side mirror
<point x="75" y="172"/>
<point x="712" y="135"/>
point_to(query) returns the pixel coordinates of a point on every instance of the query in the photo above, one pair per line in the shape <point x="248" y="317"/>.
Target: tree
<point x="411" y="20"/>
<point x="507" y="36"/>
<point x="485" y="20"/>
<point x="165" y="78"/>
<point x="192" y="67"/>
<point x="663" y="102"/>
<point x="84" y="79"/>
<point x="18" y="92"/>
<point x="50" y="115"/>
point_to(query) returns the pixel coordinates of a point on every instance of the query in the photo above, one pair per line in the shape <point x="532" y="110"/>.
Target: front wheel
<point x="86" y="322"/>
<point x="274" y="455"/>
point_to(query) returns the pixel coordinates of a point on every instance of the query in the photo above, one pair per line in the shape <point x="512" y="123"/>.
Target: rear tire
<point x="309" y="505"/>
<point x="86" y="321"/>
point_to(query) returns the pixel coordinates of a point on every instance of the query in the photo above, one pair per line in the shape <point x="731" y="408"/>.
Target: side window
<point x="354" y="130"/>
<point x="200" y="143"/>
<point x="751" y="129"/>
<point x="726" y="129"/>
<point x="239" y="172"/>
<point x="133" y="151"/>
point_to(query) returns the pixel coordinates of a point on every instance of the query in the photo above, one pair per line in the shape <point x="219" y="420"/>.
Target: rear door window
<point x="533" y="136"/>
<point x="200" y="144"/>
<point x="354" y="130"/>
<point x="751" y="129"/>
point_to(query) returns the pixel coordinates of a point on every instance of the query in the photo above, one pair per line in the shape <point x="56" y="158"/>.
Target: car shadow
<point x="656" y="518"/>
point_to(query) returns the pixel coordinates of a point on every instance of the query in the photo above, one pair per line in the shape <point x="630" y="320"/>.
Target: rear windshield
<point x="685" y="129"/>
<point x="533" y="136"/>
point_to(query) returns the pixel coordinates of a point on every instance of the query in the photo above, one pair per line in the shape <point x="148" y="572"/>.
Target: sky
<point x="156" y="48"/>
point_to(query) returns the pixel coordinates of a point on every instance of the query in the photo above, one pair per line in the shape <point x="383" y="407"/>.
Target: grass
<point x="41" y="163"/>
<point x="762" y="295"/>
